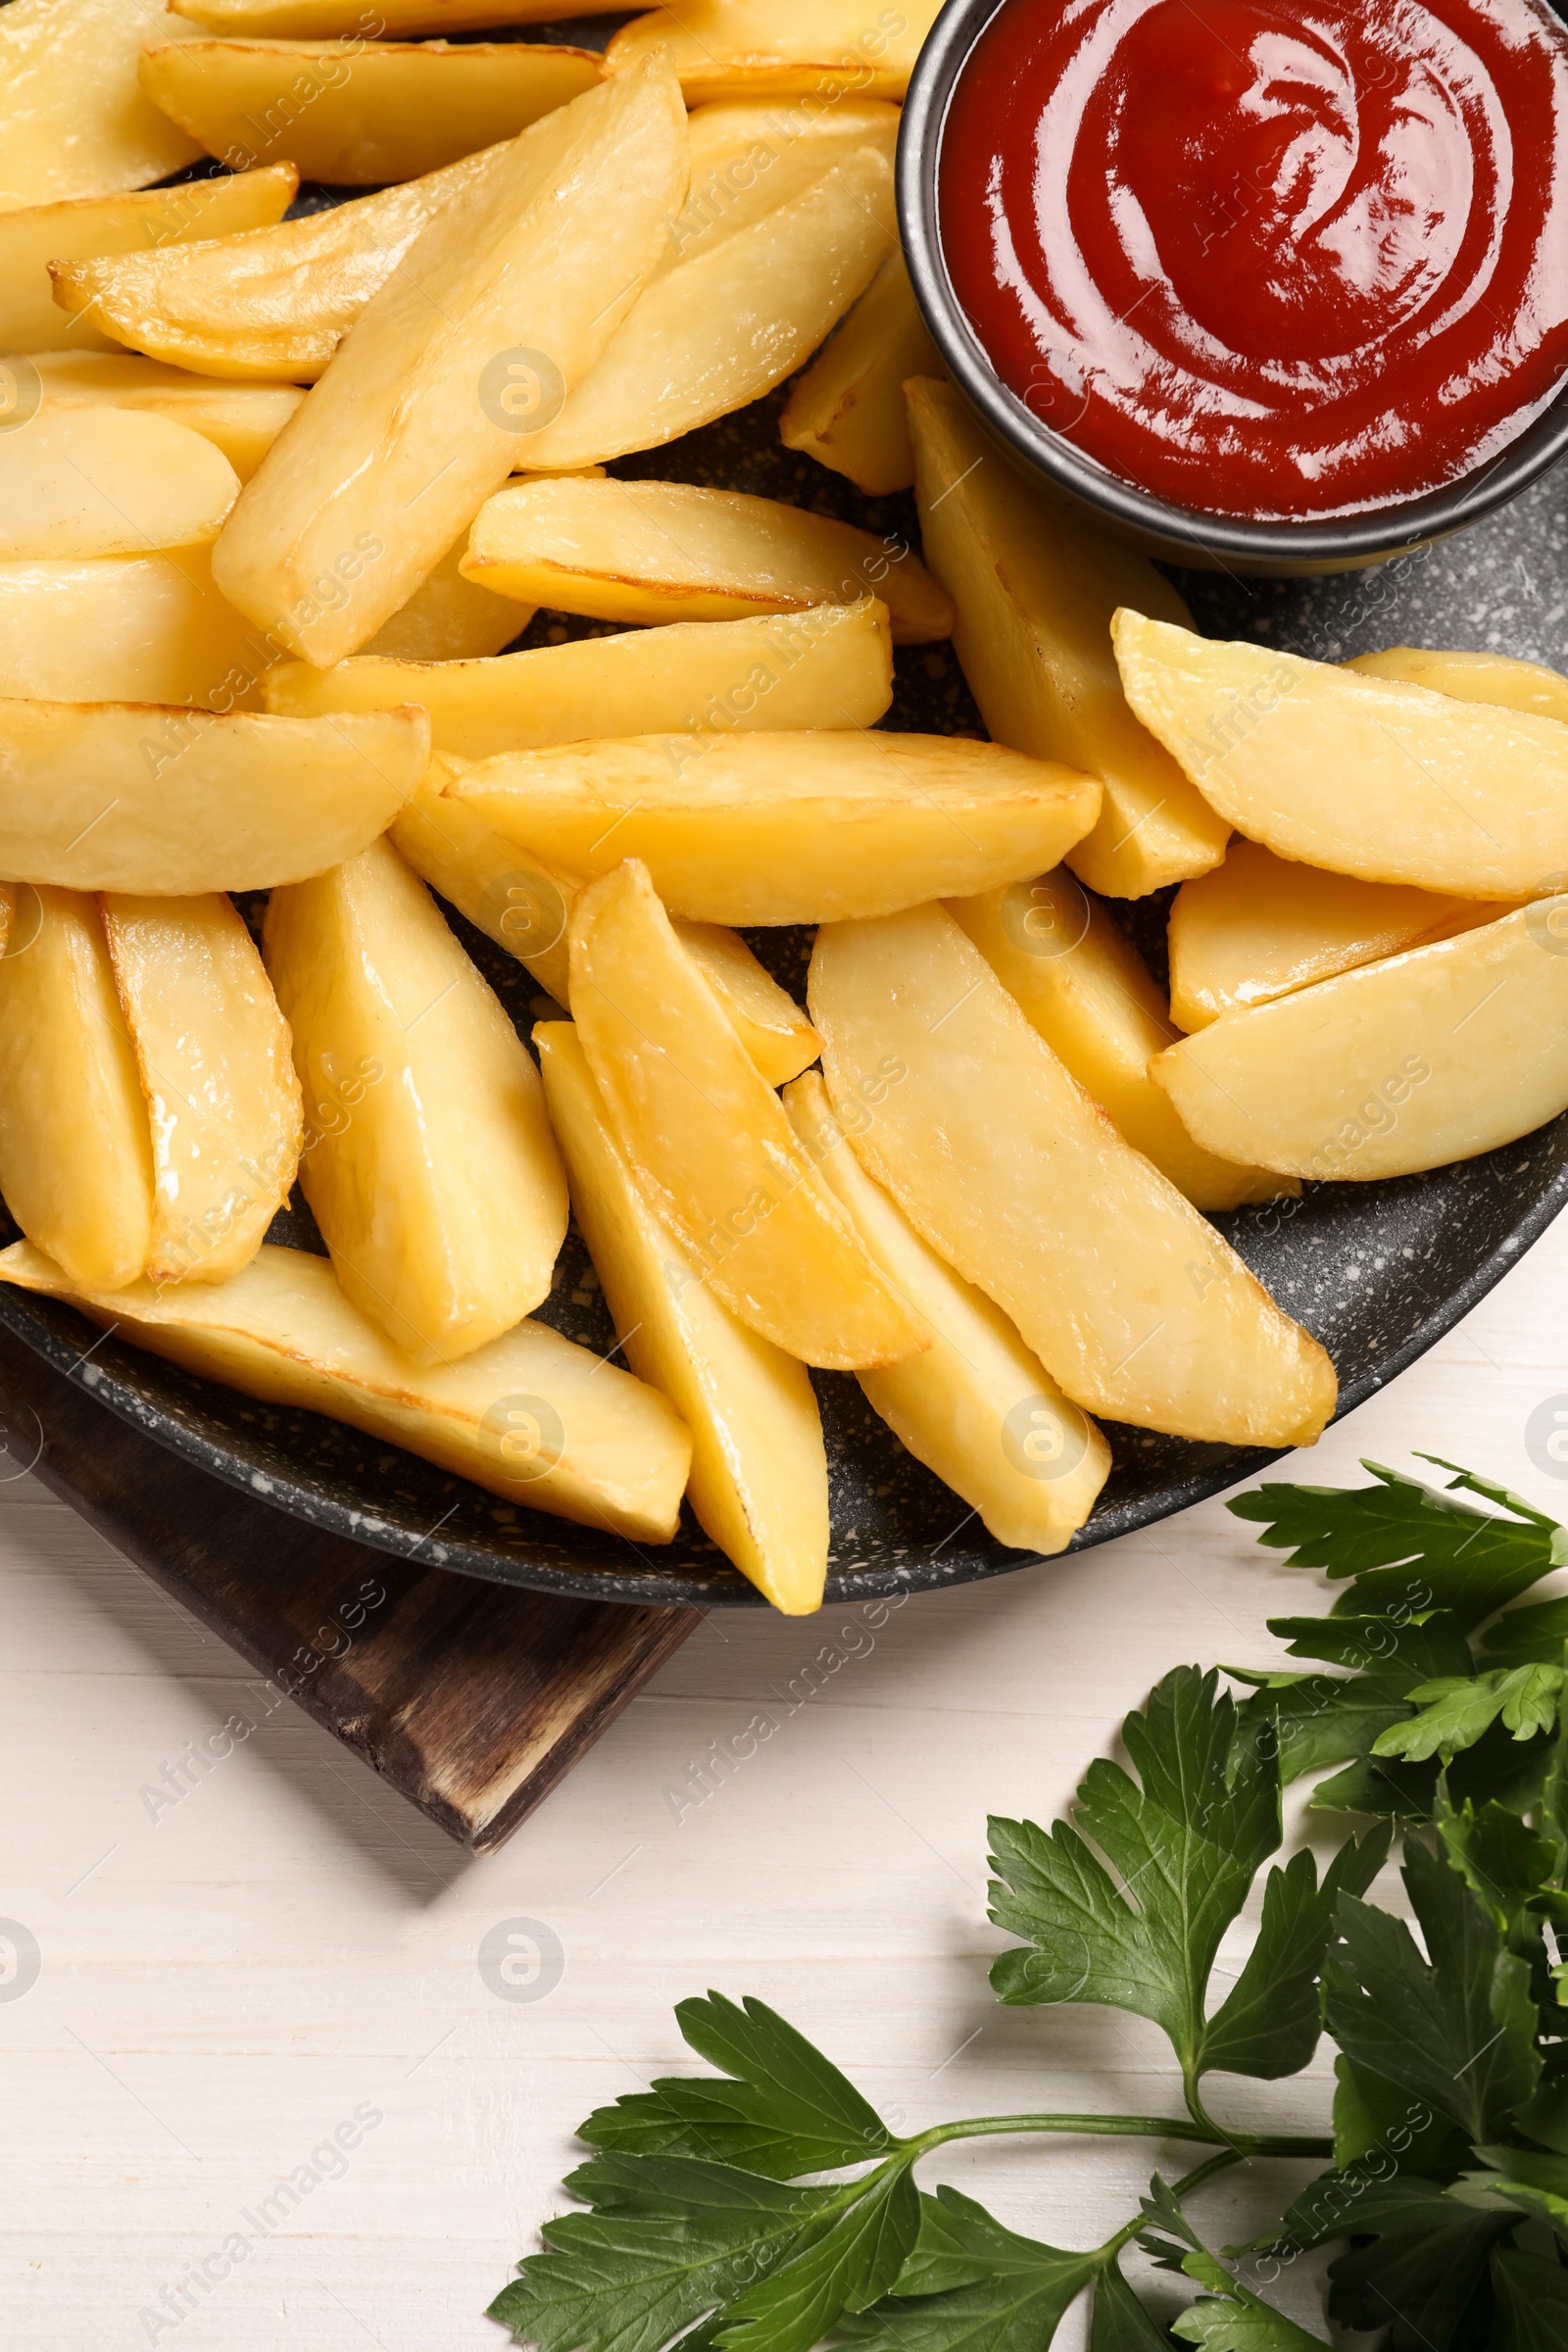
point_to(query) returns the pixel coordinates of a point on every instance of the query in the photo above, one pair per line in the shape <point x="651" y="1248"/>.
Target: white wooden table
<point x="228" y="1979"/>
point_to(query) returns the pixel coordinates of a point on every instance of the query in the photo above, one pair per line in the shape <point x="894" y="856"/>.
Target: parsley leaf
<point x="1120" y="2323"/>
<point x="971" y="2285"/>
<point x="786" y="2111"/>
<point x="1520" y="2180"/>
<point x="1184" y="1842"/>
<point x="1532" y="2304"/>
<point x="1227" y="2317"/>
<point x="849" y="2267"/>
<point x="1381" y="1647"/>
<point x="1409" y="1549"/>
<point x="1319" y="1719"/>
<point x="1420" y="2266"/>
<point x="1458" y="2032"/>
<point x="1527" y="1637"/>
<point x="675" y="2240"/>
<point x="1378" y="2128"/>
<point x="1269" y="2023"/>
<point x="1455" y="1711"/>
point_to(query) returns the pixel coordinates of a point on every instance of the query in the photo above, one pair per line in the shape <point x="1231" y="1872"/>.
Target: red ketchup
<point x="1274" y="257"/>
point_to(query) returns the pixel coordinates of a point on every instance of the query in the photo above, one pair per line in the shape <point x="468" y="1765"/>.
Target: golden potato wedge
<point x="1035" y="587"/>
<point x="329" y="20"/>
<point x="85" y="228"/>
<point x="727" y="325"/>
<point x="660" y="552"/>
<point x="273" y="301"/>
<point x="849" y="410"/>
<point x="515" y="900"/>
<point x="977" y="1408"/>
<point x="1362" y="775"/>
<point x="439" y="1195"/>
<point x="358" y="113"/>
<point x="758" y="1480"/>
<point x="222" y="1099"/>
<point x="709" y="1138"/>
<point x="770" y="1025"/>
<point x="1473" y="678"/>
<point x="531" y="1417"/>
<point x="1259" y="927"/>
<point x="75" y="1154"/>
<point x="1129" y="1297"/>
<point x="73" y="120"/>
<point x="170" y="803"/>
<point x="748" y="159"/>
<point x="122" y="629"/>
<point x="448" y="619"/>
<point x="1088" y="992"/>
<point x="771" y="828"/>
<point x="538" y="261"/>
<point x="108" y="482"/>
<point x="834" y="662"/>
<point x="243" y="420"/>
<point x="7" y="911"/>
<point x="1422" y="1059"/>
<point x="757" y="49"/>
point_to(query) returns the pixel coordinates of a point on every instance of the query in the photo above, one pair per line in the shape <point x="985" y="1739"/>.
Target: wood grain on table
<point x="235" y="1960"/>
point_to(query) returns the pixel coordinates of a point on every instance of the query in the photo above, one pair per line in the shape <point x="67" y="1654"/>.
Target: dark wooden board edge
<point x="471" y="1700"/>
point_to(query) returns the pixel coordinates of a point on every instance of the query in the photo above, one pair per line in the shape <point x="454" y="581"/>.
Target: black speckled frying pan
<point x="1377" y="1271"/>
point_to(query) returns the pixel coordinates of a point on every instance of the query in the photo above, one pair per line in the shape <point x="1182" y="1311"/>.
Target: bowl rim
<point x="1193" y="534"/>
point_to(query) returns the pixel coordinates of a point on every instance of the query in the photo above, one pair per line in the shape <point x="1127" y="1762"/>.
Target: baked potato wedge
<point x="660" y="552"/>
<point x="273" y="301"/>
<point x="751" y="157"/>
<point x="222" y="1099"/>
<point x="781" y="675"/>
<point x="358" y="114"/>
<point x="775" y="828"/>
<point x="758" y="1479"/>
<point x="448" y="619"/>
<point x="402" y="442"/>
<point x="333" y="19"/>
<point x="1473" y="677"/>
<point x="74" y="121"/>
<point x="243" y="420"/>
<point x="531" y="1417"/>
<point x="123" y="629"/>
<point x="1260" y="926"/>
<point x="75" y="1151"/>
<point x="1035" y="588"/>
<point x="849" y="410"/>
<point x="170" y="803"/>
<point x="709" y="1140"/>
<point x="98" y="481"/>
<point x="1362" y="775"/>
<point x="429" y="1165"/>
<point x="757" y="49"/>
<point x="1130" y="1299"/>
<point x="976" y="1407"/>
<point x="1412" y="1062"/>
<point x="85" y="228"/>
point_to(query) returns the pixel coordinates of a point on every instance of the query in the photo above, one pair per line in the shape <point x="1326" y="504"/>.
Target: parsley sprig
<point x="766" y="2207"/>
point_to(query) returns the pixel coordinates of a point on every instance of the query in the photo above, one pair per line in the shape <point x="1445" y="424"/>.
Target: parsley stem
<point x="1179" y="2189"/>
<point x="1125" y="2126"/>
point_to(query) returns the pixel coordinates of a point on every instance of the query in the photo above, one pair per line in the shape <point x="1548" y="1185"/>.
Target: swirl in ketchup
<point x="1268" y="256"/>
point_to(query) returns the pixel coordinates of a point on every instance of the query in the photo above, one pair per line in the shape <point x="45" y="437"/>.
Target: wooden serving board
<point x="471" y="1700"/>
